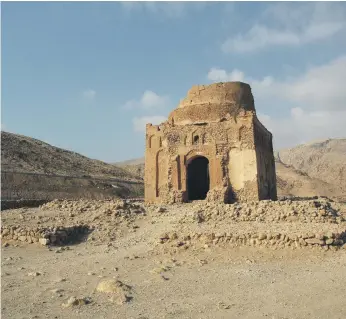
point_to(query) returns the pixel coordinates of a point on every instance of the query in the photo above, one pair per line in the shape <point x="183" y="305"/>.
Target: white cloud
<point x="316" y="100"/>
<point x="305" y="126"/>
<point x="139" y="123"/>
<point x="292" y="24"/>
<point x="89" y="94"/>
<point x="148" y="101"/>
<point x="129" y="5"/>
<point x="220" y="75"/>
<point x="320" y="87"/>
<point x="168" y="9"/>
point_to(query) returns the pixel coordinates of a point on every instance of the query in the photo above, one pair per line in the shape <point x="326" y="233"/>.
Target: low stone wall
<point x="46" y="235"/>
<point x="269" y="240"/>
<point x="13" y="204"/>
<point x="312" y="211"/>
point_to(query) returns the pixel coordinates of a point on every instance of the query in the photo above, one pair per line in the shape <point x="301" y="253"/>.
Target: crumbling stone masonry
<point x="211" y="147"/>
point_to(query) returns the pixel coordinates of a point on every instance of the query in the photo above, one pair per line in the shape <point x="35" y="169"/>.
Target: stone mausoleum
<point x="212" y="147"/>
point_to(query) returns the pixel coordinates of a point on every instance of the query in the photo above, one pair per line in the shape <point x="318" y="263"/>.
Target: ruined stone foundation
<point x="211" y="147"/>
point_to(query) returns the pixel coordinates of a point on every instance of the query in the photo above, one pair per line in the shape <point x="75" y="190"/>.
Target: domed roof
<point x="211" y="103"/>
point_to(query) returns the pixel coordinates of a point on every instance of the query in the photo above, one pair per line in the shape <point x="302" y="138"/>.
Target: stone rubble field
<point x="119" y="259"/>
<point x="272" y="224"/>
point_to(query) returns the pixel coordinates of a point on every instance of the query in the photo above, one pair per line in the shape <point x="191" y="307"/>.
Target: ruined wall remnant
<point x="211" y="147"/>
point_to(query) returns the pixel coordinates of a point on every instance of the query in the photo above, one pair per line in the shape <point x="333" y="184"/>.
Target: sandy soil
<point x="199" y="282"/>
<point x="236" y="283"/>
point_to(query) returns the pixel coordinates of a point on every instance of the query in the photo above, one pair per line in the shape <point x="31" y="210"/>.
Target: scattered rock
<point x="133" y="257"/>
<point x="198" y="217"/>
<point x="44" y="241"/>
<point x="120" y="291"/>
<point x="56" y="291"/>
<point x="60" y="280"/>
<point x="5" y="232"/>
<point x="60" y="250"/>
<point x="262" y="236"/>
<point x="329" y="241"/>
<point x="159" y="270"/>
<point x="314" y="241"/>
<point x="121" y="298"/>
<point x="73" y="301"/>
<point x="202" y="262"/>
<point x="112" y="286"/>
<point x="34" y="274"/>
<point x="222" y="305"/>
<point x="160" y="210"/>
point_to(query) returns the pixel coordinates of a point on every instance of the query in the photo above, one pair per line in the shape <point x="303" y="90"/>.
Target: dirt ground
<point x="203" y="281"/>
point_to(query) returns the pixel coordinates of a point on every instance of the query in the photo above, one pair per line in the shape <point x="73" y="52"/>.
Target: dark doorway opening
<point x="198" y="178"/>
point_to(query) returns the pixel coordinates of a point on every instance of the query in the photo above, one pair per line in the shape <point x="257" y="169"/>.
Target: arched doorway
<point x="198" y="178"/>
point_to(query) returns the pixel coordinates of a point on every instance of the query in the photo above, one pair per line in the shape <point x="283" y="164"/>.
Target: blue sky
<point x="88" y="76"/>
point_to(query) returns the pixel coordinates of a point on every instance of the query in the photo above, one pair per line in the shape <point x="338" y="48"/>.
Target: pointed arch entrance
<point x="198" y="181"/>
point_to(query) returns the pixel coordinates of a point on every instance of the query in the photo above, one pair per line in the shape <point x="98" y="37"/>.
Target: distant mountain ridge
<point x="324" y="160"/>
<point x="134" y="166"/>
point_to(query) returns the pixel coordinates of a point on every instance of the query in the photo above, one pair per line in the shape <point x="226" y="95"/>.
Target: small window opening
<point x="195" y="139"/>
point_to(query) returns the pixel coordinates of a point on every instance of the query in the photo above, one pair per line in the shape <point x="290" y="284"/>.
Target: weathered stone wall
<point x="265" y="162"/>
<point x="62" y="222"/>
<point x="277" y="240"/>
<point x="45" y="235"/>
<point x="217" y="122"/>
<point x="269" y="224"/>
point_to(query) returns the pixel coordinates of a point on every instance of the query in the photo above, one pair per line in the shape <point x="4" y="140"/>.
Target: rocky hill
<point x="324" y="160"/>
<point x="314" y="169"/>
<point x="32" y="169"/>
<point x="25" y="154"/>
<point x="134" y="166"/>
<point x="293" y="182"/>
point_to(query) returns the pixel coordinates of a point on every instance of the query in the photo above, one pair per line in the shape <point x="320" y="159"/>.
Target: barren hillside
<point x="324" y="160"/>
<point x="25" y="154"/>
<point x="292" y="182"/>
<point x="134" y="166"/>
<point x="32" y="169"/>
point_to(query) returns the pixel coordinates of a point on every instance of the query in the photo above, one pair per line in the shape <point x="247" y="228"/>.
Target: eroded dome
<point x="212" y="103"/>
